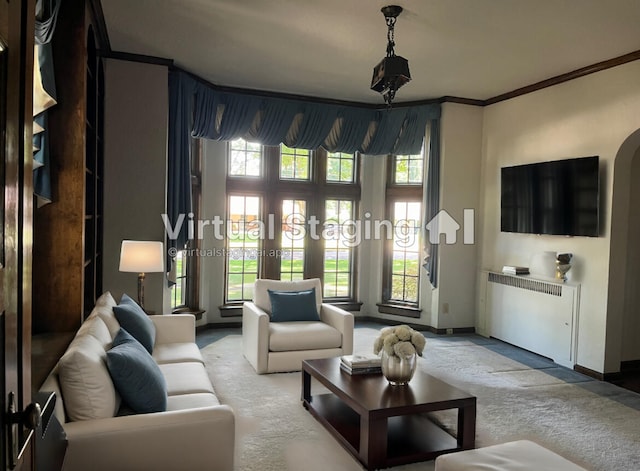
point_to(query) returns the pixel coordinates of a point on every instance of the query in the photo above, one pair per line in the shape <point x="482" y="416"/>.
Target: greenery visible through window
<point x="403" y="256"/>
<point x="405" y="264"/>
<point x="245" y="159"/>
<point x="289" y="199"/>
<point x="340" y="167"/>
<point x="179" y="289"/>
<point x="338" y="249"/>
<point x="408" y="169"/>
<point x="294" y="163"/>
<point x="292" y="240"/>
<point x="243" y="245"/>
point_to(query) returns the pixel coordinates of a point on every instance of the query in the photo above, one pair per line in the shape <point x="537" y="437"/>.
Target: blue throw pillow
<point x="136" y="376"/>
<point x="287" y="306"/>
<point x="134" y="320"/>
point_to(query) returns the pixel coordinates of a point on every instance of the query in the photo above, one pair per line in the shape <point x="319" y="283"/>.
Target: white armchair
<point x="273" y="347"/>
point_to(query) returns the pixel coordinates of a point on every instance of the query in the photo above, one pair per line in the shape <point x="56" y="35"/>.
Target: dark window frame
<point x="315" y="192"/>
<point x="395" y="192"/>
<point x="191" y="259"/>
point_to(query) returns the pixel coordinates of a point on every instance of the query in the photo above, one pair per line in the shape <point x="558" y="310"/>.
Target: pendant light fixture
<point x="393" y="71"/>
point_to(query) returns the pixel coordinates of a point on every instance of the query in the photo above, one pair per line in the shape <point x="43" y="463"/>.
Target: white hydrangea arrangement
<point x="400" y="341"/>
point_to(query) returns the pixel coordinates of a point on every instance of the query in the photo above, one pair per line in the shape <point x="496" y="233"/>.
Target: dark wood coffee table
<point x="383" y="425"/>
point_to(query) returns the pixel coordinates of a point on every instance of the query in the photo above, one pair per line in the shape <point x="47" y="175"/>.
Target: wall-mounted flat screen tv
<point x="559" y="197"/>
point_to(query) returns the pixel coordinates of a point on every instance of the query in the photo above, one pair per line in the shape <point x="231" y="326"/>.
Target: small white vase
<point x="398" y="370"/>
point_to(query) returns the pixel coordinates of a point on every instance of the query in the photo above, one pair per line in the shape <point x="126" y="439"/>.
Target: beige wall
<point x="461" y="157"/>
<point x="135" y="170"/>
<point x="592" y="115"/>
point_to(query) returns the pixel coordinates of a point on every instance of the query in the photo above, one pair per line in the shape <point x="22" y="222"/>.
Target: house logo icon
<point x="444" y="223"/>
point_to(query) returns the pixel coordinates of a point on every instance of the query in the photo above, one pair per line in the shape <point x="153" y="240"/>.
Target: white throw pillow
<point x="106" y="300"/>
<point x="106" y="314"/>
<point x="95" y="326"/>
<point x="87" y="389"/>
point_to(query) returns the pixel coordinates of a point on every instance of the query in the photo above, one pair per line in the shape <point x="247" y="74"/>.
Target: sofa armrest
<point x="255" y="336"/>
<point x="175" y="328"/>
<point x="200" y="438"/>
<point x="341" y="320"/>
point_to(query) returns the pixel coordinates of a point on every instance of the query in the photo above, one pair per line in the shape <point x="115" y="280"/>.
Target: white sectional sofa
<point x="195" y="432"/>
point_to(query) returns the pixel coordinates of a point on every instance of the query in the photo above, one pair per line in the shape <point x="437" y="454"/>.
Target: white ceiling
<point x="327" y="48"/>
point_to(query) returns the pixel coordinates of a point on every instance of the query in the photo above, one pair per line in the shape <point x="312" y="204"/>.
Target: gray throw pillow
<point x="136" y="375"/>
<point x="134" y="320"/>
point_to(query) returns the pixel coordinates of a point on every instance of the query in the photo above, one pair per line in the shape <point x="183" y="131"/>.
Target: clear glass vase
<point x="398" y="370"/>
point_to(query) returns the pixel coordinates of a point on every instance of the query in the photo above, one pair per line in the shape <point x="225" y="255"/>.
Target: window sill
<point x="188" y="310"/>
<point x="230" y="310"/>
<point x="399" y="310"/>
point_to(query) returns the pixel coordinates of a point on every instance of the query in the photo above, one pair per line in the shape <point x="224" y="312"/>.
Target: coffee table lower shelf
<point x="410" y="438"/>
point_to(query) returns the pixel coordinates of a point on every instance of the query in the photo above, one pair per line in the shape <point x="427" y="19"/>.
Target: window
<point x="294" y="163"/>
<point x="340" y="167"/>
<point x="405" y="258"/>
<point x="179" y="290"/>
<point x="243" y="245"/>
<point x="245" y="159"/>
<point x="338" y="248"/>
<point x="312" y="193"/>
<point x="403" y="255"/>
<point x="292" y="238"/>
<point x="185" y="292"/>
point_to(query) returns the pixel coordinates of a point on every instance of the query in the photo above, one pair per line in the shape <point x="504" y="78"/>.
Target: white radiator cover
<point x="534" y="314"/>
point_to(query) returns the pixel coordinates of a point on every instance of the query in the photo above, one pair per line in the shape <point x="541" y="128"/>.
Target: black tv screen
<point x="559" y="197"/>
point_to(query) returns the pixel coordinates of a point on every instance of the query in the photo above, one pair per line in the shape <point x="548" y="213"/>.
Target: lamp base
<point x="141" y="290"/>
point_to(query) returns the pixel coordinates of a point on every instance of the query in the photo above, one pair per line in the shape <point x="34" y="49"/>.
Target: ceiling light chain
<point x="391" y="22"/>
<point x="393" y="71"/>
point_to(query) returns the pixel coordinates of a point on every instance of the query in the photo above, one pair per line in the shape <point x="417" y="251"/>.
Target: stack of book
<point x="511" y="270"/>
<point x="362" y="363"/>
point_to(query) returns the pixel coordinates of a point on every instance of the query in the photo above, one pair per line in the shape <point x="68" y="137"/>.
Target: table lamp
<point x="141" y="256"/>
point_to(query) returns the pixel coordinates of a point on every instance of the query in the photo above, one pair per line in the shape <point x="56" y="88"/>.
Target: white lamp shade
<point x="142" y="256"/>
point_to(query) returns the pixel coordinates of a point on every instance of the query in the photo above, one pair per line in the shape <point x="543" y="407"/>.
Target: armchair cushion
<point x="291" y="306"/>
<point x="291" y="336"/>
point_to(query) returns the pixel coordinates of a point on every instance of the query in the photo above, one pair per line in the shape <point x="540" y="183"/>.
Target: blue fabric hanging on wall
<point x="432" y="206"/>
<point x="224" y="115"/>
<point x="181" y="94"/>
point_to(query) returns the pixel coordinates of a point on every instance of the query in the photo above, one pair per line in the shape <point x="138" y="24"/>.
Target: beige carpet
<point x="520" y="395"/>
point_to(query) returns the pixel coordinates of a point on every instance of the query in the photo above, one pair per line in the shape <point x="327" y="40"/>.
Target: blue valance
<point x="223" y="115"/>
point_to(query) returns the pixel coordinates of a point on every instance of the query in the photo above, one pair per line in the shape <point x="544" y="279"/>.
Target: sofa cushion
<point x="86" y="385"/>
<point x="289" y="336"/>
<point x="291" y="306"/>
<point x="136" y="375"/>
<point x="192" y="401"/>
<point x="186" y="378"/>
<point x="135" y="321"/>
<point x="178" y="352"/>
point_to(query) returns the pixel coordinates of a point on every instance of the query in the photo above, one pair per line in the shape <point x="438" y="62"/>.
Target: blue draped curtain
<point x="44" y="96"/>
<point x="432" y="206"/>
<point x="181" y="94"/>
